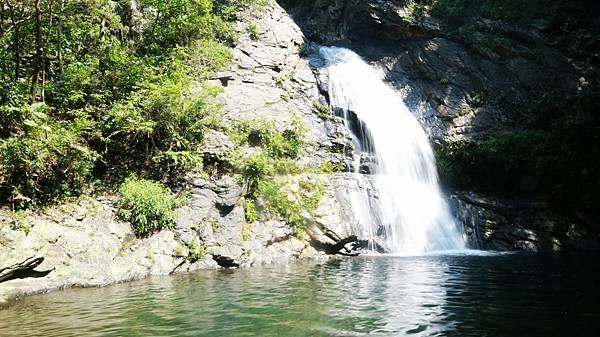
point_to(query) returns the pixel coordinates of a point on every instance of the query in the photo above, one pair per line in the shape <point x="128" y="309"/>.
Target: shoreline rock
<point x="512" y="225"/>
<point x="85" y="243"/>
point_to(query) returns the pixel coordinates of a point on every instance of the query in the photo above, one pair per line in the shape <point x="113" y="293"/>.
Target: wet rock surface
<point x="461" y="86"/>
<point x="471" y="86"/>
<point x="505" y="225"/>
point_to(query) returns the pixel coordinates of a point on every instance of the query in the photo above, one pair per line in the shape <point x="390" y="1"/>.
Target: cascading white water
<point x="410" y="209"/>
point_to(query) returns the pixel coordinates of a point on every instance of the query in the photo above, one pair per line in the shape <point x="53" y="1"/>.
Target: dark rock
<point x="494" y="224"/>
<point x="225" y="261"/>
<point x="23" y="269"/>
<point x="474" y="85"/>
<point x="368" y="164"/>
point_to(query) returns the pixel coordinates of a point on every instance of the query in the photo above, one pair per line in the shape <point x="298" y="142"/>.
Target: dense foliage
<point x="553" y="146"/>
<point x="271" y="151"/>
<point x="265" y="153"/>
<point x="147" y="205"/>
<point x="96" y="89"/>
<point x="93" y="91"/>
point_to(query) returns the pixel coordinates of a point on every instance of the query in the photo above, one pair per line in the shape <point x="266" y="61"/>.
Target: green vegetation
<point x="556" y="169"/>
<point x="94" y="90"/>
<point x="264" y="154"/>
<point x="414" y="12"/>
<point x="294" y="207"/>
<point x="40" y="158"/>
<point x="272" y="151"/>
<point x="250" y="211"/>
<point x="323" y="111"/>
<point x="197" y="250"/>
<point x="147" y="205"/>
<point x="253" y="31"/>
<point x="329" y="168"/>
<point x="18" y="220"/>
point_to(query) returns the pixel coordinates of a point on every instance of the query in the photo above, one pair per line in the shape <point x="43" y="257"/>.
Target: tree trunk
<point x="59" y="40"/>
<point x="23" y="269"/>
<point x="102" y="29"/>
<point x="16" y="40"/>
<point x="2" y="19"/>
<point x="39" y="49"/>
<point x="45" y="71"/>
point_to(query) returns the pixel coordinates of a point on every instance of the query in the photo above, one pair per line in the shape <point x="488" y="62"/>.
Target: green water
<point x="501" y="295"/>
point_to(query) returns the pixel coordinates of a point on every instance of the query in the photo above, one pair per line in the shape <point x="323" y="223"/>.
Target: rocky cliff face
<point x="478" y="82"/>
<point x="459" y="88"/>
<point x="507" y="225"/>
<point x="471" y="86"/>
<point x="85" y="244"/>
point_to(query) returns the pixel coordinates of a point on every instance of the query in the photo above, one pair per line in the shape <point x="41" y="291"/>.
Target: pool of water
<point x="436" y="295"/>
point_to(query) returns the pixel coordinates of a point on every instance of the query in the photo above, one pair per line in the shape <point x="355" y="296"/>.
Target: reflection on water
<point x="438" y="295"/>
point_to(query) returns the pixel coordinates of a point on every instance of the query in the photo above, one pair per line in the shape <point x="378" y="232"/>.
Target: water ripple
<point x="437" y="295"/>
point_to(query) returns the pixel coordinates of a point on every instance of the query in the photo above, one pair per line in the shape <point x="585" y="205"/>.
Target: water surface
<point x="436" y="295"/>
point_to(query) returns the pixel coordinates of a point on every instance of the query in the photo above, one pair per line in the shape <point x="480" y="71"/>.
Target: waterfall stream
<point x="410" y="215"/>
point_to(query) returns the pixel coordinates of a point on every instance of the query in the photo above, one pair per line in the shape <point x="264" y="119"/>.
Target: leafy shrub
<point x="322" y="111"/>
<point x="264" y="134"/>
<point x="207" y="56"/>
<point x="42" y="161"/>
<point x="197" y="250"/>
<point x="329" y="168"/>
<point x="274" y="151"/>
<point x="253" y="31"/>
<point x="158" y="131"/>
<point x="250" y="211"/>
<point x="254" y="168"/>
<point x="293" y="207"/>
<point x="147" y="205"/>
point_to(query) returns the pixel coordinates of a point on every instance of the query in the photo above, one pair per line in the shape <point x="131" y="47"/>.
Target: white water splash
<point x="410" y="209"/>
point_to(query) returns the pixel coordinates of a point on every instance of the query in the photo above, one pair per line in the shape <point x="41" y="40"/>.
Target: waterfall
<point x="410" y="215"/>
